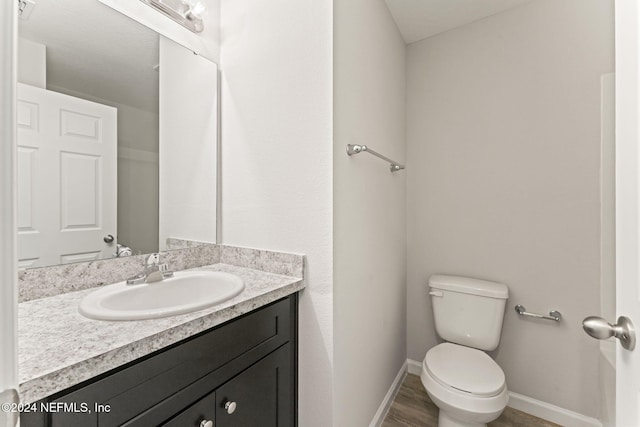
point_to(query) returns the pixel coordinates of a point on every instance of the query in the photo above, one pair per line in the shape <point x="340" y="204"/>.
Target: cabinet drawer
<point x="133" y="389"/>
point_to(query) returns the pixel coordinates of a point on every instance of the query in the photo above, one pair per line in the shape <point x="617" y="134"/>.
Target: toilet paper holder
<point x="554" y="315"/>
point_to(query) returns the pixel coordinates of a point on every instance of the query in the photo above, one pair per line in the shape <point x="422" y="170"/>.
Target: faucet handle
<point x="164" y="269"/>
<point x="153" y="260"/>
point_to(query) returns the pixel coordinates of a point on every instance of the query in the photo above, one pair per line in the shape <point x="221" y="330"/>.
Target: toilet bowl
<point x="465" y="384"/>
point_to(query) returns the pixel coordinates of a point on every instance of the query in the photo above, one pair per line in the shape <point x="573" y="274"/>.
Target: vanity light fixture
<point x="25" y="7"/>
<point x="187" y="13"/>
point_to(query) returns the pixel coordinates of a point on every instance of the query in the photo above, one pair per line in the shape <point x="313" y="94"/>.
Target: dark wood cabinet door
<point x="197" y="415"/>
<point x="262" y="394"/>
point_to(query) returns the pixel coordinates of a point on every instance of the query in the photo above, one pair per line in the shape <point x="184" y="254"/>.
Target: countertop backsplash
<point x="45" y="282"/>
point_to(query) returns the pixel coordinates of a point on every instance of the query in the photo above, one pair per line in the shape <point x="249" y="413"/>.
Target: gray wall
<point x="276" y="169"/>
<point x="369" y="209"/>
<point x="503" y="182"/>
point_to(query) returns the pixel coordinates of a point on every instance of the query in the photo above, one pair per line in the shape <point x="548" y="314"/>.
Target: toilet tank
<point x="468" y="311"/>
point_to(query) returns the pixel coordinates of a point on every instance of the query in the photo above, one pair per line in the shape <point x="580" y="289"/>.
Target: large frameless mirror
<point x="116" y="154"/>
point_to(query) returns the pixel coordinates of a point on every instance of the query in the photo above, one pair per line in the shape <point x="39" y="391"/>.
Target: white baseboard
<point x="378" y="418"/>
<point x="534" y="407"/>
<point x="550" y="412"/>
<point x="415" y="367"/>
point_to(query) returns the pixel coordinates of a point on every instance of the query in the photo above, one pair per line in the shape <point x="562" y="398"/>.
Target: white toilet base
<point x="444" y="420"/>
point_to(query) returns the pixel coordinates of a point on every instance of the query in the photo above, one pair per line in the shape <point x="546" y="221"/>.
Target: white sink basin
<point x="185" y="292"/>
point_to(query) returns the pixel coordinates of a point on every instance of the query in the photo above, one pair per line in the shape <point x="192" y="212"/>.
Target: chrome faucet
<point x="153" y="272"/>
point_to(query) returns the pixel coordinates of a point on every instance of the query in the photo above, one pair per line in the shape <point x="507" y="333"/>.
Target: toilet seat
<point x="462" y="383"/>
<point x="464" y="369"/>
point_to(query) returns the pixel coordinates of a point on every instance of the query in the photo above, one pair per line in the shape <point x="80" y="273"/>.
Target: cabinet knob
<point x="206" y="423"/>
<point x="230" y="407"/>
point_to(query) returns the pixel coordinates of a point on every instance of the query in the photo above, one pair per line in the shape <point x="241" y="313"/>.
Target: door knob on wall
<point x="599" y="328"/>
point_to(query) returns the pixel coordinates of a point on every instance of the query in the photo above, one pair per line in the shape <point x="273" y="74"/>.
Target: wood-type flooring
<point x="412" y="407"/>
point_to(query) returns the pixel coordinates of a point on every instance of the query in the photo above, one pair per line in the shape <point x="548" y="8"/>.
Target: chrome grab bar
<point x="355" y="149"/>
<point x="554" y="315"/>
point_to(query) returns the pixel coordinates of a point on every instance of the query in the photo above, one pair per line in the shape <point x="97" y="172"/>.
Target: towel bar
<point x="355" y="149"/>
<point x="554" y="315"/>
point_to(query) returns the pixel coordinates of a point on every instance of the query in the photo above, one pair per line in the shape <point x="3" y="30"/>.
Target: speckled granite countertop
<point x="59" y="348"/>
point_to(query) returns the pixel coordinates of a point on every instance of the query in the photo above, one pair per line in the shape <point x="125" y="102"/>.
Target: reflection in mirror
<point x="89" y="136"/>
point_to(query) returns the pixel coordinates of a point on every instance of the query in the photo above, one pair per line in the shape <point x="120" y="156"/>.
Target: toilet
<point x="465" y="383"/>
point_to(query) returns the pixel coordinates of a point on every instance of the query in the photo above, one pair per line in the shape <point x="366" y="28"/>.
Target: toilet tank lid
<point x="468" y="285"/>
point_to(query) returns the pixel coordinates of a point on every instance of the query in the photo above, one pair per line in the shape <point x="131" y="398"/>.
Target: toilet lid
<point x="465" y="369"/>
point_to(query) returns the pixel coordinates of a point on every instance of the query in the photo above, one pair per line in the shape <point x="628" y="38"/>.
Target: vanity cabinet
<point x="241" y="373"/>
<point x="253" y="398"/>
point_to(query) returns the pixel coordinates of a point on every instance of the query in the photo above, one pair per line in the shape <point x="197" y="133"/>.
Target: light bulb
<point x="196" y="9"/>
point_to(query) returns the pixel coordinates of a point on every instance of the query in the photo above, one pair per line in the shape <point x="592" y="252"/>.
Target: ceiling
<point x="94" y="50"/>
<point x="419" y="19"/>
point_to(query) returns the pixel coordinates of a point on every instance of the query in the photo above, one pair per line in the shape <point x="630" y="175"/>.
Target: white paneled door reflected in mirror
<point x="89" y="136"/>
